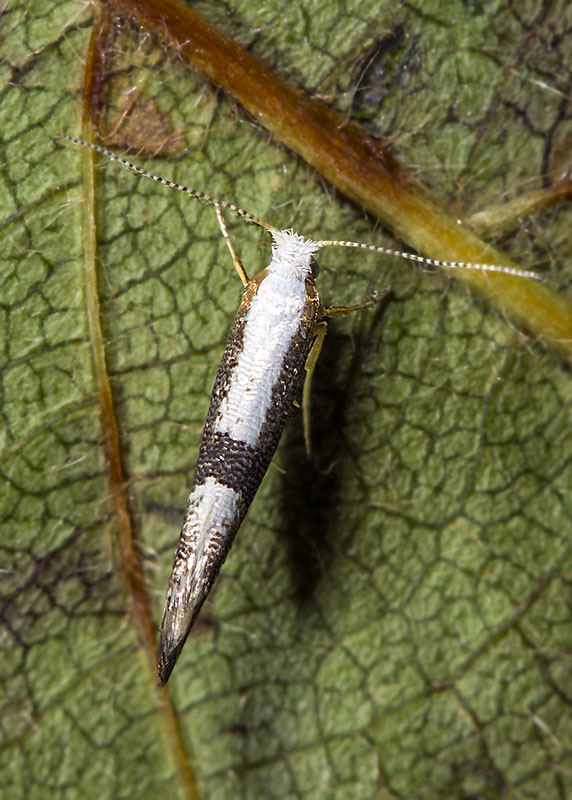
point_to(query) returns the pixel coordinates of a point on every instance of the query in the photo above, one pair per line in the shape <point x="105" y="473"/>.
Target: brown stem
<point x="355" y="163"/>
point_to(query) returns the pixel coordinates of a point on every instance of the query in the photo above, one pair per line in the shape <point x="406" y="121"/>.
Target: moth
<point x="273" y="344"/>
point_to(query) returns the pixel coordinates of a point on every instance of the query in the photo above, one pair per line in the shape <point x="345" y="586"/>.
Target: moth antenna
<point x="170" y="184"/>
<point x="433" y="262"/>
<point x="207" y="198"/>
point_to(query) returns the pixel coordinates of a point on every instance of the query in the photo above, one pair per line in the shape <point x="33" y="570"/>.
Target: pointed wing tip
<point x="163" y="675"/>
<point x="178" y="619"/>
<point x="170" y="647"/>
<point x="166" y="661"/>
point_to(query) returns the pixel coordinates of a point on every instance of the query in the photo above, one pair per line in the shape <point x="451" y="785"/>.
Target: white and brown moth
<point x="274" y="340"/>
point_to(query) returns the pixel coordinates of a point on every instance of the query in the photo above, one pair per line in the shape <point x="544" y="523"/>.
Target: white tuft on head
<point x="292" y="255"/>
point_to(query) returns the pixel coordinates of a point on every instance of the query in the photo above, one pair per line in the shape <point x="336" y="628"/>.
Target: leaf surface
<point x="393" y="619"/>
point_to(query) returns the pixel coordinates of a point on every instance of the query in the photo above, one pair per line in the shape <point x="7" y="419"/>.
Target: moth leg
<point x="320" y="333"/>
<point x="235" y="259"/>
<point x="331" y="310"/>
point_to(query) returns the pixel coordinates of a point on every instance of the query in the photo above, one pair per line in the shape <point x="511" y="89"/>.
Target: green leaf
<point x="393" y="618"/>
